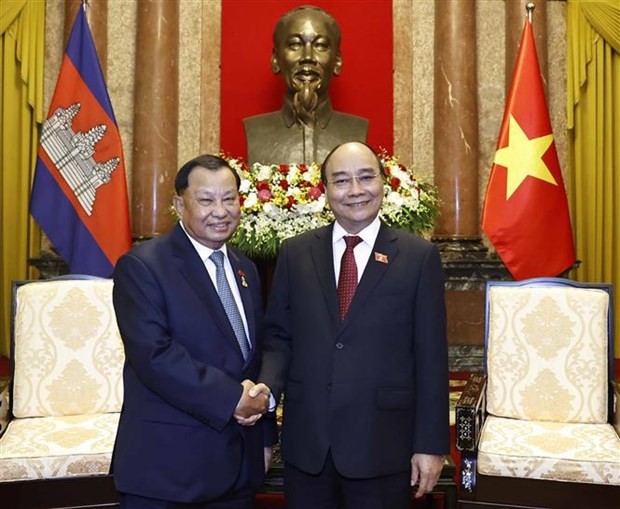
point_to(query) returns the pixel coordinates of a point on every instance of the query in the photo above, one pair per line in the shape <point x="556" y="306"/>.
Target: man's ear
<point x="275" y="66"/>
<point x="177" y="203"/>
<point x="338" y="64"/>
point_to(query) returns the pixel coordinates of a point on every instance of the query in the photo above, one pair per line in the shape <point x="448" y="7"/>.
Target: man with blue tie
<point x="355" y="336"/>
<point x="189" y="310"/>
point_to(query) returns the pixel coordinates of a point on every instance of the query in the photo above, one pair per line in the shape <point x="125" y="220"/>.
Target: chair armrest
<point x="470" y="412"/>
<point x="5" y="415"/>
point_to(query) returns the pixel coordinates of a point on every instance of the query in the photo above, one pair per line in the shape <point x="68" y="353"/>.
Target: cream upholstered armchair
<point x="537" y="429"/>
<point x="63" y="401"/>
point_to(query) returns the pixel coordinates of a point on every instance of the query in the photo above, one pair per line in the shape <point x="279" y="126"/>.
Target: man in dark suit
<point x="190" y="315"/>
<point x="355" y="337"/>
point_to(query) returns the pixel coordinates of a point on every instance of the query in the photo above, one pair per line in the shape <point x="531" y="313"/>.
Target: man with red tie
<point x="355" y="338"/>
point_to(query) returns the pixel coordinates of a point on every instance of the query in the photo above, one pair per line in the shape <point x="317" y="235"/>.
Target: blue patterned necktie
<point x="228" y="301"/>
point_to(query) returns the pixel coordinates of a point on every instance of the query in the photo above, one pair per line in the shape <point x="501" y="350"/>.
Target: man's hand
<point x="253" y="404"/>
<point x="268" y="455"/>
<point x="425" y="469"/>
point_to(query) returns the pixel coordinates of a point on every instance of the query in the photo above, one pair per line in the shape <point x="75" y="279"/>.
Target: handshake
<point x="254" y="402"/>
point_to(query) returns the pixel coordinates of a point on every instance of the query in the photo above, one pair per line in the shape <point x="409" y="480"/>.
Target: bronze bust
<point x="306" y="50"/>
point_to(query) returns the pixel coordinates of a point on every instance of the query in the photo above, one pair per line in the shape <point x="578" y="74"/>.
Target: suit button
<point x="339" y="346"/>
<point x="329" y="387"/>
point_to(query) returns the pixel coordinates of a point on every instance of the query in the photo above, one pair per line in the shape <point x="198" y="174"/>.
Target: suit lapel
<point x="323" y="259"/>
<point x="193" y="270"/>
<point x="384" y="250"/>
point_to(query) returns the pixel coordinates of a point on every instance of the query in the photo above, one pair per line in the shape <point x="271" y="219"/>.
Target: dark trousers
<point x="240" y="499"/>
<point x="330" y="490"/>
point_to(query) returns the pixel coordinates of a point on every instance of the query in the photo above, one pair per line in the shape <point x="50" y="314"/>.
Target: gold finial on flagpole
<point x="530" y="10"/>
<point x="84" y="5"/>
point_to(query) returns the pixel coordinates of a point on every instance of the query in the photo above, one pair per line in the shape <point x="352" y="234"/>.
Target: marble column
<point x="456" y="119"/>
<point x="97" y="16"/>
<point x="515" y="17"/>
<point x="156" y="114"/>
<point x="467" y="263"/>
<point x="210" y="77"/>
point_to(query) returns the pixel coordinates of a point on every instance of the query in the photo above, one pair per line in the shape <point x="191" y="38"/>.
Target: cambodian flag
<point x="79" y="194"/>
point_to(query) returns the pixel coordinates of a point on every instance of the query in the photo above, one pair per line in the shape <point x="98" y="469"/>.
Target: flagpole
<point x="529" y="8"/>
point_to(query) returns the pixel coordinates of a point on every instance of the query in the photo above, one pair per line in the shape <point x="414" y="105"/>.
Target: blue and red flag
<point x="79" y="193"/>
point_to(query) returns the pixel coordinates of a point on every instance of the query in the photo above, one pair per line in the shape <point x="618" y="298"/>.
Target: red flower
<point x="291" y="202"/>
<point x="321" y="186"/>
<point x="264" y="195"/>
<point x="284" y="184"/>
<point x="263" y="184"/>
<point x="303" y="168"/>
<point x="283" y="169"/>
<point x="241" y="199"/>
<point x="395" y="183"/>
<point x="315" y="192"/>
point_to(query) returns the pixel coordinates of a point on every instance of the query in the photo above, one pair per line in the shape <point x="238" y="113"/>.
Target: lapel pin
<point x="244" y="283"/>
<point x="380" y="257"/>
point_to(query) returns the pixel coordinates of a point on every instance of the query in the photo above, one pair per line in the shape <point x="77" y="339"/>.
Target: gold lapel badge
<point x="380" y="257"/>
<point x="244" y="283"/>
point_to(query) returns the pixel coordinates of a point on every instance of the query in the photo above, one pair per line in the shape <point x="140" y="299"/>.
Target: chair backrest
<point x="67" y="353"/>
<point x="549" y="350"/>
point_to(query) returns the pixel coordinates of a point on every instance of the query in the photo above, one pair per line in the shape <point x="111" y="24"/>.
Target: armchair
<point x="64" y="397"/>
<point x="536" y="429"/>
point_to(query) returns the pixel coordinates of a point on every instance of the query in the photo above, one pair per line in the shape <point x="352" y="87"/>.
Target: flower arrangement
<point x="281" y="201"/>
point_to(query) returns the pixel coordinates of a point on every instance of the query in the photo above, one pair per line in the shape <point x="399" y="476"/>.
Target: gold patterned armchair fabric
<point x="65" y="394"/>
<point x="537" y="428"/>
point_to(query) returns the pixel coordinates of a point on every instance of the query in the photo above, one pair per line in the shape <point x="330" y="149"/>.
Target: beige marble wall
<point x="413" y="20"/>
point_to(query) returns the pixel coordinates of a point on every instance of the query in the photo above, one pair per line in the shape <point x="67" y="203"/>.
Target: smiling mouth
<point x="358" y="205"/>
<point x="218" y="226"/>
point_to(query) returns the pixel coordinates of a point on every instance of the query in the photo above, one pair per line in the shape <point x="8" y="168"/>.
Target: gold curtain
<point x="22" y="37"/>
<point x="593" y="85"/>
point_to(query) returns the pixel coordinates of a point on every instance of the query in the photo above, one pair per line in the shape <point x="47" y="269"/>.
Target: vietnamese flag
<point x="79" y="193"/>
<point x="525" y="211"/>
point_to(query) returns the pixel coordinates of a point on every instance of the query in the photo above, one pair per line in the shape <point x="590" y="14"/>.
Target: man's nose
<point x="218" y="210"/>
<point x="355" y="187"/>
<point x="308" y="52"/>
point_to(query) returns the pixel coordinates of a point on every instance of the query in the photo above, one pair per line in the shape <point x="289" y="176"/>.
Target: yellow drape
<point x="22" y="36"/>
<point x="593" y="93"/>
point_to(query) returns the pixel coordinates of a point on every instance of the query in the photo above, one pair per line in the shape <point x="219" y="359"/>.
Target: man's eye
<point x="294" y="45"/>
<point x="365" y="179"/>
<point x="205" y="201"/>
<point x="321" y="46"/>
<point x="341" y="182"/>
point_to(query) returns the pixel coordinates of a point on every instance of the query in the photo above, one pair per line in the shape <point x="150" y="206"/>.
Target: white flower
<point x="271" y="209"/>
<point x="245" y="186"/>
<point x="250" y="201"/>
<point x="264" y="172"/>
<point x="395" y="198"/>
<point x="293" y="171"/>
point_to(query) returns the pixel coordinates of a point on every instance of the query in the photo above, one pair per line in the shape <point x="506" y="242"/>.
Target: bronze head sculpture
<point x="306" y="51"/>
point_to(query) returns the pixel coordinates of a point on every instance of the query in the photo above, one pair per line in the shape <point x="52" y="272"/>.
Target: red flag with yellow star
<point x="525" y="211"/>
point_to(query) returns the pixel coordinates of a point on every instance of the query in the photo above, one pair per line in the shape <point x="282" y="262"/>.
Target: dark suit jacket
<point x="177" y="438"/>
<point x="374" y="388"/>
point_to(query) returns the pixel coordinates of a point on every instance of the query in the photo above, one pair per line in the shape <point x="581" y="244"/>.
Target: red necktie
<point x="347" y="280"/>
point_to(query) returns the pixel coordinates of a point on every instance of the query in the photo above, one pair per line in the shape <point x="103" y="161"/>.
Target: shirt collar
<point x="203" y="251"/>
<point x="324" y="113"/>
<point x="368" y="234"/>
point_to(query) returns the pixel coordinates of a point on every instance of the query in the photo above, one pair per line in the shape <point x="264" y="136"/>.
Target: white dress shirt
<point x="205" y="252"/>
<point x="361" y="252"/>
